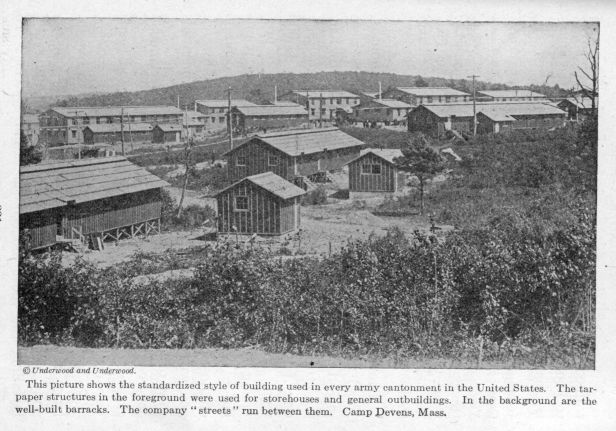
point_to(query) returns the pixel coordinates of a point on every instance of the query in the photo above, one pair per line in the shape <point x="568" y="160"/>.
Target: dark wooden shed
<point x="163" y="133"/>
<point x="293" y="154"/>
<point x="68" y="201"/>
<point x="111" y="133"/>
<point x="248" y="119"/>
<point x="374" y="172"/>
<point x="264" y="204"/>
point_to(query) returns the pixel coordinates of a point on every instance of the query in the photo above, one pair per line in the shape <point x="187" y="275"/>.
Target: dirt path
<point x="248" y="357"/>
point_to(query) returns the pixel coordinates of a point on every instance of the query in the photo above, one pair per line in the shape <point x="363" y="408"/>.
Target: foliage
<point x="517" y="277"/>
<point x="257" y="88"/>
<point x="422" y="161"/>
<point x="199" y="154"/>
<point x="28" y="155"/>
<point x="316" y="196"/>
<point x="379" y="138"/>
<point x="192" y="216"/>
<point x="387" y="295"/>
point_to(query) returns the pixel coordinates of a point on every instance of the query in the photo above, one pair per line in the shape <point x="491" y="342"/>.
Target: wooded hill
<point x="259" y="88"/>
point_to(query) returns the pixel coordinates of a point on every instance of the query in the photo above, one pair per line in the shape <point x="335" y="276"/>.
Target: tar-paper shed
<point x="374" y="172"/>
<point x="263" y="204"/>
<point x="70" y="200"/>
<point x="293" y="154"/>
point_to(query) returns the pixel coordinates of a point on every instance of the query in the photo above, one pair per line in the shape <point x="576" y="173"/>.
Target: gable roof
<point x="581" y="102"/>
<point x="170" y="127"/>
<point x="511" y="93"/>
<point x="115" y="111"/>
<point x="52" y="185"/>
<point x="326" y="94"/>
<point x="432" y="91"/>
<point x="371" y="94"/>
<point x="306" y="141"/>
<point x="390" y="103"/>
<point x="223" y="103"/>
<point x="387" y="154"/>
<point x="271" y="110"/>
<point x="492" y="110"/>
<point x="117" y="127"/>
<point x="271" y="182"/>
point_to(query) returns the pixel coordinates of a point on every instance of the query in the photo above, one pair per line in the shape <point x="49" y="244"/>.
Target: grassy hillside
<point x="260" y="88"/>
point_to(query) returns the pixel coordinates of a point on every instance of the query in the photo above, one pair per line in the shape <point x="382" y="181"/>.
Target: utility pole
<point x="321" y="110"/>
<point x="474" y="106"/>
<point x="229" y="119"/>
<point x="122" y="129"/>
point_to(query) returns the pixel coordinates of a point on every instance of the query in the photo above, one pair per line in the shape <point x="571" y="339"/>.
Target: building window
<point x="347" y="100"/>
<point x="272" y="160"/>
<point x="339" y="101"/>
<point x="213" y="119"/>
<point x="221" y="119"/>
<point x="74" y="133"/>
<point x="241" y="203"/>
<point x="221" y="110"/>
<point x="324" y="111"/>
<point x="429" y="99"/>
<point x="370" y="169"/>
<point x="240" y="161"/>
<point x="312" y="101"/>
<point x="312" y="111"/>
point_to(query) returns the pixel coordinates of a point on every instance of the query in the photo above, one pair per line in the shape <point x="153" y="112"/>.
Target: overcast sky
<point x="70" y="56"/>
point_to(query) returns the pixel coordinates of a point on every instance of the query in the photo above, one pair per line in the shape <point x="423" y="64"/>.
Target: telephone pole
<point x="122" y="129"/>
<point x="320" y="110"/>
<point x="229" y="121"/>
<point x="474" y="106"/>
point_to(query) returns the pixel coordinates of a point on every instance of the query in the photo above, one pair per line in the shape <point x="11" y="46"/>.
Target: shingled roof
<point x="272" y="183"/>
<point x="327" y="94"/>
<point x="52" y="185"/>
<point x="115" y="111"/>
<point x="116" y="127"/>
<point x="306" y="141"/>
<point x="271" y="110"/>
<point x="512" y="93"/>
<point x="492" y="110"/>
<point x="387" y="154"/>
<point x="432" y="91"/>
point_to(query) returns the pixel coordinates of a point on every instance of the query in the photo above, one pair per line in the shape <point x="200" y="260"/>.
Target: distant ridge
<point x="259" y="88"/>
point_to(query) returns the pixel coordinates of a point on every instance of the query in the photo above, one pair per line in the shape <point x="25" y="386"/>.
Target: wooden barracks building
<point x="374" y="173"/>
<point x="323" y="105"/>
<point x="65" y="125"/>
<point x="247" y="119"/>
<point x="110" y="198"/>
<point x="435" y="120"/>
<point x="294" y="154"/>
<point x="263" y="204"/>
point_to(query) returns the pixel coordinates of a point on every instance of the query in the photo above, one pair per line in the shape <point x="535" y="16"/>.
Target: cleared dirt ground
<point x="248" y="357"/>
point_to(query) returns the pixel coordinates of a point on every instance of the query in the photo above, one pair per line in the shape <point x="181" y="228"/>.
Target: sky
<point x="72" y="56"/>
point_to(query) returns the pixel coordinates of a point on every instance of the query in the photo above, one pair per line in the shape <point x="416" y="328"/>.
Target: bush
<point x="194" y="216"/>
<point x="316" y="196"/>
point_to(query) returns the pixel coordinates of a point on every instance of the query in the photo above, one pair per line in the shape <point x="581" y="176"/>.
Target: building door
<point x="297" y="221"/>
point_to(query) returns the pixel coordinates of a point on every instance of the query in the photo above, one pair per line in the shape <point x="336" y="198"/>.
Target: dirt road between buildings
<point x="247" y="357"/>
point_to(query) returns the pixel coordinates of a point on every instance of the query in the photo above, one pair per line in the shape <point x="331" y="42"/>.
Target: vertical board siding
<point x="113" y="213"/>
<point x="383" y="182"/>
<point x="41" y="227"/>
<point x="257" y="156"/>
<point x="267" y="214"/>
